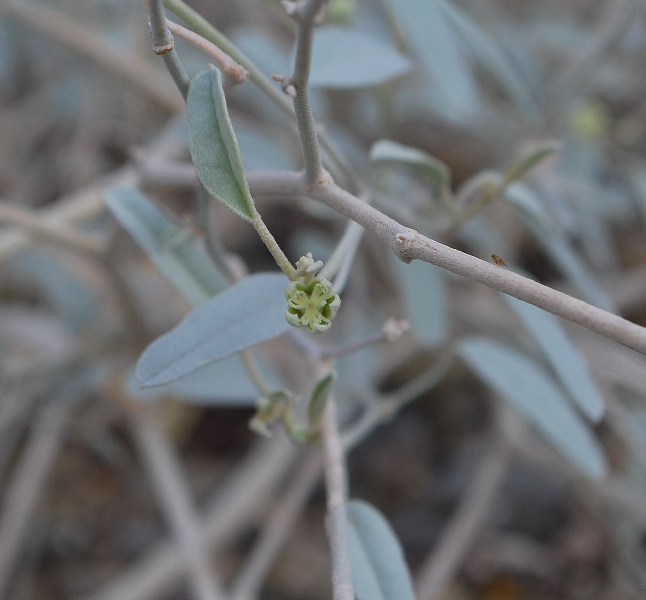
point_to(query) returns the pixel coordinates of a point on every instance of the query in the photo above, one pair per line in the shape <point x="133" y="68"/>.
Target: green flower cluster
<point x="311" y="303"/>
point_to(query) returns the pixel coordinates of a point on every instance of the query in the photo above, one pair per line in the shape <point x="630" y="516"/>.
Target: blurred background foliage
<point x="526" y="118"/>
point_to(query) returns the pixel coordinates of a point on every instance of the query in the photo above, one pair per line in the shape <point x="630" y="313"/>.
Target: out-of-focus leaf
<point x="528" y="388"/>
<point x="490" y="55"/>
<point x="434" y="169"/>
<point x="530" y="206"/>
<point x="482" y="183"/>
<point x="567" y="362"/>
<point x="248" y="313"/>
<point x="262" y="147"/>
<point x="74" y="300"/>
<point x="223" y="383"/>
<point x="555" y="244"/>
<point x="379" y="571"/>
<point x="173" y="251"/>
<point x="319" y="398"/>
<point x="213" y="144"/>
<point x="424" y="291"/>
<point x="528" y="162"/>
<point x="438" y="48"/>
<point x="346" y="58"/>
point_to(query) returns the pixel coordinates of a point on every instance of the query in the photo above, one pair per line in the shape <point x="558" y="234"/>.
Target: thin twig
<point x="278" y="528"/>
<point x="337" y="525"/>
<point x="383" y="409"/>
<point x="230" y="67"/>
<point x="89" y="44"/>
<point x="199" y="24"/>
<point x="58" y="233"/>
<point x="299" y="81"/>
<point x="237" y="501"/>
<point x="440" y="568"/>
<point x="25" y="487"/>
<point x="174" y="497"/>
<point x="164" y="46"/>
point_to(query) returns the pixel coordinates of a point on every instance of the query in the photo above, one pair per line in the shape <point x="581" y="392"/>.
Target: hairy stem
<point x="300" y="78"/>
<point x="164" y="46"/>
<point x="272" y="245"/>
<point x="337" y="524"/>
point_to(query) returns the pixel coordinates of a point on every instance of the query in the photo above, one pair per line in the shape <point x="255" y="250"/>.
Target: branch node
<point x="286" y="84"/>
<point x="403" y="248"/>
<point x="324" y="180"/>
<point x="162" y="49"/>
<point x="394" y="329"/>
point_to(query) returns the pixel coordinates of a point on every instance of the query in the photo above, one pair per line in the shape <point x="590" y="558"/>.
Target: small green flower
<point x="311" y="303"/>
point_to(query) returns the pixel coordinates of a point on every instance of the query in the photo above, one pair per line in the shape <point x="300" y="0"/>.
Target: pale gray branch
<point x="279" y="525"/>
<point x="440" y="568"/>
<point x="26" y="486"/>
<point x="174" y="498"/>
<point x="337" y="522"/>
<point x="409" y="244"/>
<point x="237" y="500"/>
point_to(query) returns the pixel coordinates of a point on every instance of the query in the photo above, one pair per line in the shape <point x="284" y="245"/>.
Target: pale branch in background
<point x="90" y="44"/>
<point x="230" y="67"/>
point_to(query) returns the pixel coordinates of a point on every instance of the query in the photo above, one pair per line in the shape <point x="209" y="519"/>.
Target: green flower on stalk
<point x="311" y="303"/>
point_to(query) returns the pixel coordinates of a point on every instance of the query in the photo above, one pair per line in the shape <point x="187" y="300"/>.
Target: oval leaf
<point x="250" y="312"/>
<point x="491" y="56"/>
<point x="379" y="571"/>
<point x="434" y="169"/>
<point x="438" y="48"/>
<point x="346" y="58"/>
<point x="223" y="383"/>
<point x="173" y="251"/>
<point x="567" y="362"/>
<point x="214" y="148"/>
<point x="523" y="384"/>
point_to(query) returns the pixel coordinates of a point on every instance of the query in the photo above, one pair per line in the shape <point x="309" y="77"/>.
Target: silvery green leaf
<point x="223" y="383"/>
<point x="75" y="300"/>
<point x="564" y="358"/>
<point x="173" y="250"/>
<point x="213" y="144"/>
<point x="424" y="290"/>
<point x="379" y="570"/>
<point x="437" y="47"/>
<point x="346" y="58"/>
<point x="529" y="389"/>
<point x="490" y="55"/>
<point x="434" y="169"/>
<point x="556" y="245"/>
<point x="533" y="158"/>
<point x="248" y="313"/>
<point x="529" y="204"/>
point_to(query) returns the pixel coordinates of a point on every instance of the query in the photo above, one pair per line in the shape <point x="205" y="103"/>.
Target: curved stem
<point x="272" y="245"/>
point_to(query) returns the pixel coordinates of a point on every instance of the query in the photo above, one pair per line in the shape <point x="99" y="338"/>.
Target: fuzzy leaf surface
<point x="531" y="391"/>
<point x="379" y="571"/>
<point x="213" y="144"/>
<point x="248" y="313"/>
